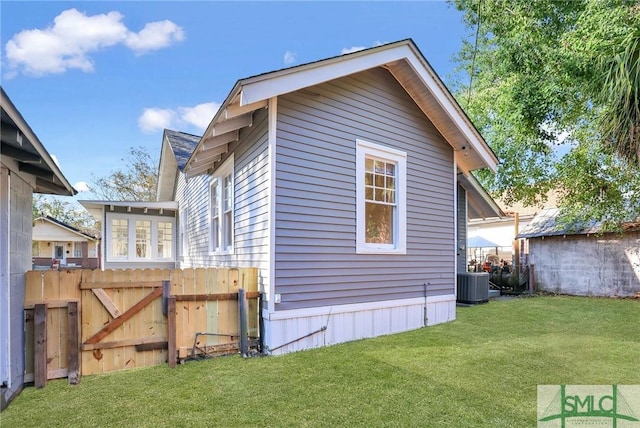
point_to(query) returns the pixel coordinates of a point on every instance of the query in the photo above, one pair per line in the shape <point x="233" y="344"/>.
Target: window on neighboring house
<point x="221" y="209"/>
<point x="119" y="238"/>
<point x="143" y="239"/>
<point x="77" y="249"/>
<point x="165" y="238"/>
<point x="381" y="199"/>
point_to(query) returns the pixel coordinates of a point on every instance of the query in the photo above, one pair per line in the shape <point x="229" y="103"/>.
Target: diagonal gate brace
<point x="124" y="317"/>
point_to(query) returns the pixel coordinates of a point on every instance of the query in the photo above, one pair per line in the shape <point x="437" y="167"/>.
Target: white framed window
<point x="119" y="238"/>
<point x="143" y="239"/>
<point x="136" y="237"/>
<point x="165" y="239"/>
<point x="221" y="203"/>
<point x="381" y="174"/>
<point x="77" y="249"/>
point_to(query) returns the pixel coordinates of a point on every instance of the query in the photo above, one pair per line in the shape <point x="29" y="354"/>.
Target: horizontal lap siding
<point x="315" y="260"/>
<point x="250" y="205"/>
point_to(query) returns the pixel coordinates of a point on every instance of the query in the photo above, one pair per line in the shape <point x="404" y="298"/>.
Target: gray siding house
<point x="25" y="168"/>
<point x="340" y="181"/>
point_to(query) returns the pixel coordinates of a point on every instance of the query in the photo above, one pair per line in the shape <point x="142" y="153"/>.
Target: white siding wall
<point x="316" y="260"/>
<point x="250" y="206"/>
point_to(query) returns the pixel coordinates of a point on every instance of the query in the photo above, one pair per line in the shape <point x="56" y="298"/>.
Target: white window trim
<point x="364" y="149"/>
<point x="184" y="232"/>
<point x="131" y="218"/>
<point x="217" y="178"/>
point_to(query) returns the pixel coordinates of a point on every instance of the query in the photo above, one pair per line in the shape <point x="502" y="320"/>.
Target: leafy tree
<point x="554" y="88"/>
<point x="135" y="181"/>
<point x="65" y="212"/>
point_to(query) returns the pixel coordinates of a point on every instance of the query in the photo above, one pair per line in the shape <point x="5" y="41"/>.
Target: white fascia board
<point x="451" y="108"/>
<point x="273" y="84"/>
<point x="166" y="171"/>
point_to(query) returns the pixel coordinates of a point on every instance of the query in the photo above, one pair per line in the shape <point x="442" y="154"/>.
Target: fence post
<point x="40" y="348"/>
<point x="242" y="313"/>
<point x="166" y="291"/>
<point x="171" y="333"/>
<point x="532" y="278"/>
<point x="73" y="345"/>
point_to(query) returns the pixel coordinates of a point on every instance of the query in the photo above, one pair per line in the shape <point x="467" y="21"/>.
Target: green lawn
<point x="481" y="370"/>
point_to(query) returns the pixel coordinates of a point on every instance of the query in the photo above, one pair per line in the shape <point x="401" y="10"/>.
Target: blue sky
<point x="96" y="78"/>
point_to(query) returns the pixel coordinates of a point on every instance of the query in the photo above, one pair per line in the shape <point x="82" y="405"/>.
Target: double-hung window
<point x="221" y="209"/>
<point x="381" y="199"/>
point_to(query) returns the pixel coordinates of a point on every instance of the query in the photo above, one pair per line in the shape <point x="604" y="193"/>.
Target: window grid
<point x="165" y="235"/>
<point x="120" y="237"/>
<point x="143" y="239"/>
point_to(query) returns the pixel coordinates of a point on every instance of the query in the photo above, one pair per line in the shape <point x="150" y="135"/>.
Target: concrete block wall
<point x="20" y="215"/>
<point x="606" y="265"/>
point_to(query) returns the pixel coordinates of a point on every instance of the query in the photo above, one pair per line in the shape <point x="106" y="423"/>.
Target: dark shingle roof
<point x="545" y="223"/>
<point x="182" y="144"/>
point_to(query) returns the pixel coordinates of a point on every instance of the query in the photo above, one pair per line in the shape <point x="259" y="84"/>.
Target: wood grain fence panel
<point x="34" y="286"/>
<point x="51" y="286"/>
<point x="115" y="347"/>
<point x="200" y="307"/>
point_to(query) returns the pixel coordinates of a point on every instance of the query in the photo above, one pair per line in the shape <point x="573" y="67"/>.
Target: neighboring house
<point x="346" y="182"/>
<point x="25" y="168"/>
<point x="56" y="243"/>
<point x="582" y="260"/>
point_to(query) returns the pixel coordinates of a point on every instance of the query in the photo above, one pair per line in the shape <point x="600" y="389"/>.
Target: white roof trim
<point x="15" y="115"/>
<point x="251" y="94"/>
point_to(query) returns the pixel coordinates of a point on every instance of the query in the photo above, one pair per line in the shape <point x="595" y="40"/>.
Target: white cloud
<point x="155" y="119"/>
<point x="359" y="48"/>
<point x="74" y="35"/>
<point x="290" y="57"/>
<point x="197" y="117"/>
<point x="200" y="115"/>
<point x="155" y="35"/>
<point x="81" y="186"/>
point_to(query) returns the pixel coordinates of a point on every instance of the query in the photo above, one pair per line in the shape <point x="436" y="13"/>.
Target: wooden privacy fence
<point x="81" y="322"/>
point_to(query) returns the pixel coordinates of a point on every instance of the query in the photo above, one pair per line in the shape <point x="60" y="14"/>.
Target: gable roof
<point x="25" y="155"/>
<point x="66" y="226"/>
<point x="182" y="145"/>
<point x="177" y="147"/>
<point x="402" y="59"/>
<point x="545" y="223"/>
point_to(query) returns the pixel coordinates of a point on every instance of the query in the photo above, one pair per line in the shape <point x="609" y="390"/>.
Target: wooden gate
<point x="117" y="319"/>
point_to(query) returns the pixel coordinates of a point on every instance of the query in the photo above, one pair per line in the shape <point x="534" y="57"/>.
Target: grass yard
<point x="481" y="370"/>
